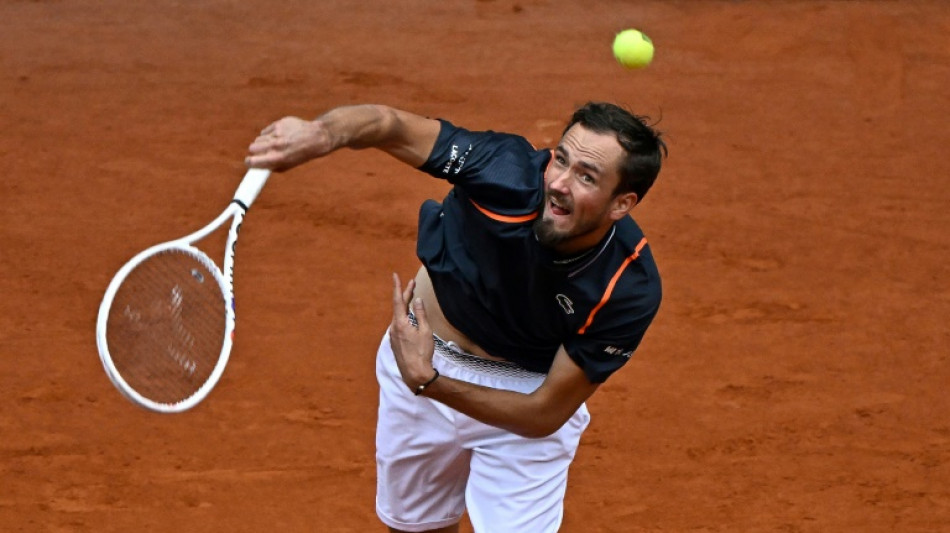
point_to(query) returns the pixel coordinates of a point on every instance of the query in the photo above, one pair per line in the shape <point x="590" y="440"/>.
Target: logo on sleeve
<point x="614" y="351"/>
<point x="566" y="304"/>
<point x="455" y="158"/>
<point x="452" y="157"/>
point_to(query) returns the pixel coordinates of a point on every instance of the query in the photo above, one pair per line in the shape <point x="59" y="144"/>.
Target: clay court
<point x="794" y="380"/>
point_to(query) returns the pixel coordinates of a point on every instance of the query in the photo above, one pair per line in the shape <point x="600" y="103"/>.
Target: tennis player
<point x="535" y="286"/>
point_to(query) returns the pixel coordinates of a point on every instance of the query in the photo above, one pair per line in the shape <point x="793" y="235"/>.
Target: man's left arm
<point x="533" y="415"/>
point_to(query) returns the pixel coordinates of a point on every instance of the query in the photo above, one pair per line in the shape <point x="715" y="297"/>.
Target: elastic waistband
<point x="450" y="351"/>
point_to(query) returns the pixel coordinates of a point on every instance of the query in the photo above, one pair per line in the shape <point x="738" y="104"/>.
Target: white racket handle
<point x="251" y="186"/>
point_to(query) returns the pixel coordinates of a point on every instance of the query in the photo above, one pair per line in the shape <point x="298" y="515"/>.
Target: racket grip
<point x="251" y="186"/>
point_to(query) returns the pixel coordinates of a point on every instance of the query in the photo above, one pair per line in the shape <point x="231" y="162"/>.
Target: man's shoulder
<point x="502" y="173"/>
<point x="629" y="274"/>
<point x="457" y="146"/>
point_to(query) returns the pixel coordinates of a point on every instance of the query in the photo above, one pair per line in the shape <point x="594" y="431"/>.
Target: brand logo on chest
<point x="566" y="304"/>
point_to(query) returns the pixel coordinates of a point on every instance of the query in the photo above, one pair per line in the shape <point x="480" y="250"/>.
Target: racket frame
<point x="245" y="195"/>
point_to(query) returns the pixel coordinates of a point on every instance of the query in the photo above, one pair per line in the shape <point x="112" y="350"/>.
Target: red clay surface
<point x="795" y="379"/>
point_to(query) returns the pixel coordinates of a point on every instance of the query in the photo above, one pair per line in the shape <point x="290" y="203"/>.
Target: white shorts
<point x="433" y="463"/>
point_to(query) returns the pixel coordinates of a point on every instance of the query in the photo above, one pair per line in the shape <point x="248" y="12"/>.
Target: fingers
<point x="410" y="289"/>
<point x="419" y="309"/>
<point x="400" y="311"/>
<point x="400" y="298"/>
<point x="271" y="148"/>
<point x="262" y="161"/>
<point x="266" y="140"/>
<point x="289" y="142"/>
<point x="263" y="152"/>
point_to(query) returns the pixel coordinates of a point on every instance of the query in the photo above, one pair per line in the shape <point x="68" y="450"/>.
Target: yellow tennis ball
<point x="633" y="49"/>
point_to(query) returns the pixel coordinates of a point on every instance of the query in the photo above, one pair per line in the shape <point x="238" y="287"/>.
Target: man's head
<point x="605" y="163"/>
<point x="643" y="146"/>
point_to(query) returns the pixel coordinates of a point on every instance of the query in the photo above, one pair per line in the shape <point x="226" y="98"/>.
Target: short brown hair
<point x="642" y="144"/>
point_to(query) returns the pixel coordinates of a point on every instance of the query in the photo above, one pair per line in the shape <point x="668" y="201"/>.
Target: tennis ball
<point x="633" y="49"/>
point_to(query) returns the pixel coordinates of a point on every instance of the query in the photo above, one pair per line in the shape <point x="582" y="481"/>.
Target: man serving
<point x="535" y="286"/>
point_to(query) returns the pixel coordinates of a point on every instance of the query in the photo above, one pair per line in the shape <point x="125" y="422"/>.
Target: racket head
<point x="165" y="327"/>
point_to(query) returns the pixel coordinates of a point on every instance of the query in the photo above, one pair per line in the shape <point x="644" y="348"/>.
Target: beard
<point x="551" y="237"/>
<point x="546" y="234"/>
<point x="544" y="229"/>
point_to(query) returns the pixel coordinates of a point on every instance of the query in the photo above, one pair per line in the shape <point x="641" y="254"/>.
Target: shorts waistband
<point x="450" y="351"/>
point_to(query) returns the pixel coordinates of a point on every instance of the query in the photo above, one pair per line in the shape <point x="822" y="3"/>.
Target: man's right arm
<point x="292" y="141"/>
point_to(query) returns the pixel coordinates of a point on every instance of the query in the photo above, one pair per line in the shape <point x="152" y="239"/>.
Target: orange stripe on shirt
<point x="504" y="218"/>
<point x="613" y="282"/>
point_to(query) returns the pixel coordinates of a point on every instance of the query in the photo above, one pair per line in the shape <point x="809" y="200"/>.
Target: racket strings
<point x="167" y="325"/>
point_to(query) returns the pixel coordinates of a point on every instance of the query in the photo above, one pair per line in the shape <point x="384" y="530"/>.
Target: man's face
<point x="579" y="183"/>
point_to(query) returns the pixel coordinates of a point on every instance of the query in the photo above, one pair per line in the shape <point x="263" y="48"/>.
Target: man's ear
<point x="622" y="204"/>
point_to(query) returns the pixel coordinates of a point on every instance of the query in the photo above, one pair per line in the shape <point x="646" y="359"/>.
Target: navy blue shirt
<point x="513" y="297"/>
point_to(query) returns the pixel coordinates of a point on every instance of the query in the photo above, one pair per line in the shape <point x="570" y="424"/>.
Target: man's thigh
<point x="518" y="484"/>
<point x="421" y="467"/>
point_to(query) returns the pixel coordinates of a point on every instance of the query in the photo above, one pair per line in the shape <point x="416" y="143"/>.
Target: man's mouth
<point x="558" y="207"/>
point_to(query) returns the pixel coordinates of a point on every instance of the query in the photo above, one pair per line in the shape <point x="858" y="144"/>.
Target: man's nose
<point x="559" y="181"/>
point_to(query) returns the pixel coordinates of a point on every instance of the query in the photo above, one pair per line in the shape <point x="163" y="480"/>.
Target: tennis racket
<point x="166" y="322"/>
